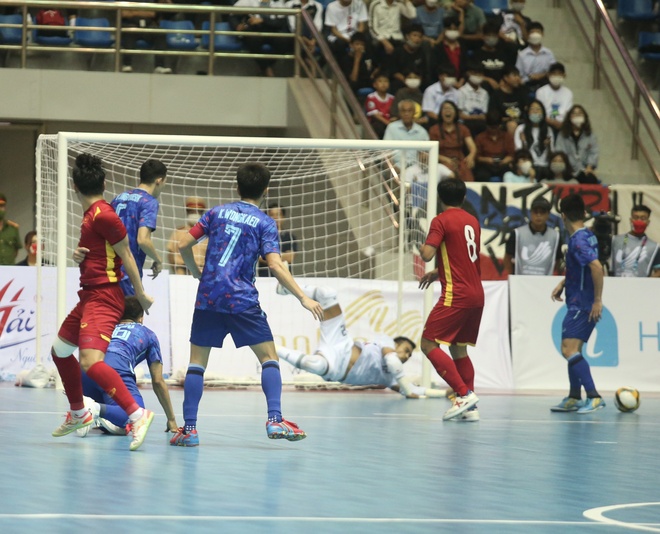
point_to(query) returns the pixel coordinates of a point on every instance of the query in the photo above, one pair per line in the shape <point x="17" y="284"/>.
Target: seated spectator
<point x="436" y="94"/>
<point x="472" y="19"/>
<point x="410" y="57"/>
<point x="449" y="50"/>
<point x="510" y="99"/>
<point x="431" y="17"/>
<point x="343" y="18"/>
<point x="535" y="60"/>
<point x="378" y="105"/>
<point x="535" y="135"/>
<point x="454" y="142"/>
<point x="473" y="100"/>
<point x="522" y="170"/>
<point x="142" y="19"/>
<point x="560" y="170"/>
<point x="385" y="27"/>
<point x="555" y="96"/>
<point x="514" y="27"/>
<point x="579" y="143"/>
<point x="31" y="242"/>
<point x="357" y="64"/>
<point x="263" y="23"/>
<point x="412" y="92"/>
<point x="495" y="55"/>
<point x="406" y="129"/>
<point x="634" y="254"/>
<point x="495" y="150"/>
<point x="315" y="11"/>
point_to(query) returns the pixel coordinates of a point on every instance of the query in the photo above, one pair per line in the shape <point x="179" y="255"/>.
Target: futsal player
<point x="454" y="238"/>
<point x="89" y="325"/>
<point x="339" y="359"/>
<point x="228" y="302"/>
<point x="584" y="290"/>
<point x="131" y="344"/>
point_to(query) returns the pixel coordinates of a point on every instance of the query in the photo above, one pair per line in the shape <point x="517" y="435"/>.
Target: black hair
<point x="491" y="28"/>
<point x="446" y="69"/>
<point x="641" y="207"/>
<point x="474" y="66"/>
<point x="252" y="179"/>
<point x="151" y="170"/>
<point x="557" y="67"/>
<point x="573" y="207"/>
<point x="412" y="70"/>
<point x="88" y="175"/>
<point x="414" y="28"/>
<point x="535" y="26"/>
<point x="529" y="126"/>
<point x="451" y="192"/>
<point x="522" y="153"/>
<point x="451" y="20"/>
<point x="28" y="237"/>
<point x="276" y="206"/>
<point x="132" y="309"/>
<point x="404" y="339"/>
<point x="511" y="69"/>
<point x="567" y="127"/>
<point x="493" y="117"/>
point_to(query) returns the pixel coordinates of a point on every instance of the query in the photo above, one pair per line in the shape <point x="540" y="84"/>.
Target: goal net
<point x="344" y="200"/>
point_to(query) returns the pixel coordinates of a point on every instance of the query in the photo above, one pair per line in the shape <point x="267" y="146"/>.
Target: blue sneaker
<point x="185" y="439"/>
<point x="568" y="404"/>
<point x="284" y="430"/>
<point x="592" y="405"/>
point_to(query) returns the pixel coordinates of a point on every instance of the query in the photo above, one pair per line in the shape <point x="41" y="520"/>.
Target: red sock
<point x="106" y="377"/>
<point x="466" y="370"/>
<point x="71" y="376"/>
<point x="446" y="368"/>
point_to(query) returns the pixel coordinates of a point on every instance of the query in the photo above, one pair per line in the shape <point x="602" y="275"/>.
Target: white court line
<point x="598" y="514"/>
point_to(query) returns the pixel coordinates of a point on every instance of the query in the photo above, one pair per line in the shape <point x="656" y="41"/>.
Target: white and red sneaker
<point x="460" y="405"/>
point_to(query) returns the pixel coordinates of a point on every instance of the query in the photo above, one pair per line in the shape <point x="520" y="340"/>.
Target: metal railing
<point x="640" y="110"/>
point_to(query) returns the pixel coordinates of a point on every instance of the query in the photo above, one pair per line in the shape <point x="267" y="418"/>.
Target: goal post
<point x="348" y="202"/>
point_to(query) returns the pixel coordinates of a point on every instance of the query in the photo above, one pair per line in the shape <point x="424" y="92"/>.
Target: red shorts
<point x="453" y="326"/>
<point x="91" y="323"/>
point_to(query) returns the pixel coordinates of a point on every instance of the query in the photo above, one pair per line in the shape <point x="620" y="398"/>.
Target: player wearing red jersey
<point x="89" y="325"/>
<point x="454" y="237"/>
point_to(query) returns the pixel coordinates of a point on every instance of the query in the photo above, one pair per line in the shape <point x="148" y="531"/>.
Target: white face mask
<point x="525" y="166"/>
<point x="557" y="167"/>
<point x="192" y="219"/>
<point x="452" y="35"/>
<point x="413" y="83"/>
<point x="450" y="81"/>
<point x="491" y="41"/>
<point x="535" y="38"/>
<point x="476" y="80"/>
<point x="412" y="44"/>
<point x="557" y="81"/>
<point x="431" y="3"/>
<point x="577" y="121"/>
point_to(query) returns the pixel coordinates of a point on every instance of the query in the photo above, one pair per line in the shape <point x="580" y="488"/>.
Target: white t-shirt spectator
<point x="556" y="102"/>
<point x="471" y="101"/>
<point x="434" y="96"/>
<point x="311" y="6"/>
<point x="385" y="19"/>
<point x="345" y="18"/>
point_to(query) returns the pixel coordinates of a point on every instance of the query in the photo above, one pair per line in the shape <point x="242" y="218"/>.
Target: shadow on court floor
<point x="373" y="462"/>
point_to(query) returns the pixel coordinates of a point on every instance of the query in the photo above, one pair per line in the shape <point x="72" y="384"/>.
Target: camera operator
<point x="633" y="253"/>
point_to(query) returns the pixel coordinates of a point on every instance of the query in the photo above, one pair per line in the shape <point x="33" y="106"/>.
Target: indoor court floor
<point x="373" y="462"/>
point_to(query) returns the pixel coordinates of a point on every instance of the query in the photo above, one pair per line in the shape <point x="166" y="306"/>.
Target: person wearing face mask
<point x="560" y="171"/>
<point x="449" y="51"/>
<point x="534" y="61"/>
<point x="385" y="26"/>
<point x="443" y="89"/>
<point x="510" y="100"/>
<point x="535" y="135"/>
<point x="31" y="244"/>
<point x="431" y="17"/>
<point x="555" y="96"/>
<point x="495" y="55"/>
<point x="472" y="19"/>
<point x="580" y="144"/>
<point x="473" y="100"/>
<point x="633" y="253"/>
<point x="195" y="208"/>
<point x="522" y="170"/>
<point x="411" y="91"/>
<point x="10" y="242"/>
<point x="410" y="56"/>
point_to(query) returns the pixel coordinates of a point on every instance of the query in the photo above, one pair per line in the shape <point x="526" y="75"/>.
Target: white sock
<point x="79" y="413"/>
<point x="136" y="415"/>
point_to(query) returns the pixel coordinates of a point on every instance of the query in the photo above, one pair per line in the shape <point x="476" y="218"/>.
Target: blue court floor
<point x="373" y="462"/>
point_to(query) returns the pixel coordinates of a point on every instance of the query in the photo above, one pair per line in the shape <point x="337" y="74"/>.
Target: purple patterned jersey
<point x="136" y="208"/>
<point x="238" y="234"/>
<point x="582" y="250"/>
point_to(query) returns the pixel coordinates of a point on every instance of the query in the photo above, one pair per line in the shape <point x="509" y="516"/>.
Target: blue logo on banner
<point x="602" y="349"/>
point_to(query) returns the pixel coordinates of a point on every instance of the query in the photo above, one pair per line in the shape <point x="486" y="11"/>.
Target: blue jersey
<point x="131" y="344"/>
<point x="238" y="234"/>
<point x="136" y="208"/>
<point x="582" y="250"/>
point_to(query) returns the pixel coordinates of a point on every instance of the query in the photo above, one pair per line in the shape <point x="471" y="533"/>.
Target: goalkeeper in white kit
<point x="339" y="358"/>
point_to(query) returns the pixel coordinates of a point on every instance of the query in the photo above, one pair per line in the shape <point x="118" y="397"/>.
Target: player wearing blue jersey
<point x="138" y="210"/>
<point x="131" y="344"/>
<point x="584" y="289"/>
<point x="227" y="300"/>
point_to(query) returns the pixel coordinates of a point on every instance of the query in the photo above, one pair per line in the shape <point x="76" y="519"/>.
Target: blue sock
<point x="575" y="390"/>
<point x="193" y="387"/>
<point x="115" y="414"/>
<point x="583" y="372"/>
<point x="271" y="383"/>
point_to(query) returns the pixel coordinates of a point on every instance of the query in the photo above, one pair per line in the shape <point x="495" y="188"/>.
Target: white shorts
<point x="336" y="346"/>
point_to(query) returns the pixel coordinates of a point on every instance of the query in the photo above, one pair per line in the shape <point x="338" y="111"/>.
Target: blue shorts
<point x="127" y="287"/>
<point x="250" y="327"/>
<point x="576" y="325"/>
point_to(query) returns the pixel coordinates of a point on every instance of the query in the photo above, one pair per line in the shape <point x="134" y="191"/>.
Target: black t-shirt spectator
<point x="404" y="61"/>
<point x="494" y="62"/>
<point x="510" y="105"/>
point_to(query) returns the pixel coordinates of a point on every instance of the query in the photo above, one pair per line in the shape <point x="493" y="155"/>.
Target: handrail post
<point x="597" y="24"/>
<point x="635" y="123"/>
<point x="211" y="43"/>
<point x="296" y="47"/>
<point x="333" y="108"/>
<point x="24" y="37"/>
<point x="118" y="29"/>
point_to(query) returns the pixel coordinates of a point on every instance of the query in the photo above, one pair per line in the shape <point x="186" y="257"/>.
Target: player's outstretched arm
<point x="186" y="245"/>
<point x="163" y="394"/>
<point x="147" y="245"/>
<point x="123" y="250"/>
<point x="280" y="271"/>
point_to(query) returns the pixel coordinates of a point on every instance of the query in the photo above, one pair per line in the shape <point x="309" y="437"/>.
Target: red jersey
<point x="456" y="235"/>
<point x="375" y="104"/>
<point x="100" y="229"/>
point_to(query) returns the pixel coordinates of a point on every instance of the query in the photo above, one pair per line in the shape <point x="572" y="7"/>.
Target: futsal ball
<point x="626" y="399"/>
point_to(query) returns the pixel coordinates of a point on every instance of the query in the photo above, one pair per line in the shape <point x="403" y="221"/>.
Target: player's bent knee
<point x="326" y="297"/>
<point x="315" y="363"/>
<point x="61" y="349"/>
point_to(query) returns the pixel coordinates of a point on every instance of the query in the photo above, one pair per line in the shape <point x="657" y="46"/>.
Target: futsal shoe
<point x="470" y="415"/>
<point x="284" y="430"/>
<point x="593" y="404"/>
<point x="140" y="428"/>
<point x="185" y="439"/>
<point x="111" y="428"/>
<point x="93" y="407"/>
<point x="568" y="404"/>
<point x="460" y="405"/>
<point x="72" y="423"/>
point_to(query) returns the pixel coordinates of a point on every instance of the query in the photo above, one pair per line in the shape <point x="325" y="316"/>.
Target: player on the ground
<point x="228" y="302"/>
<point x="454" y="237"/>
<point x="138" y="210"/>
<point x="89" y="325"/>
<point x="584" y="290"/>
<point x="339" y="359"/>
<point x="131" y="344"/>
